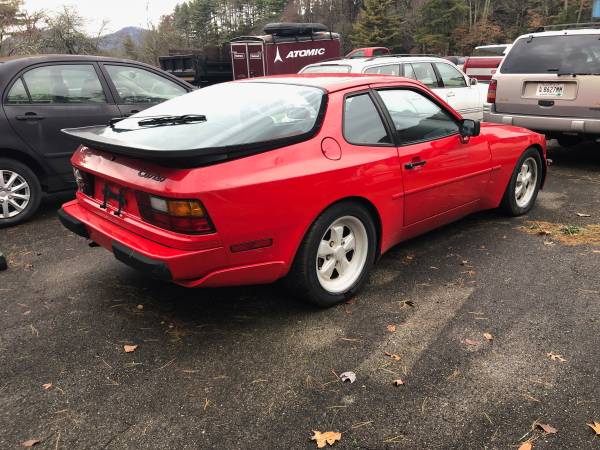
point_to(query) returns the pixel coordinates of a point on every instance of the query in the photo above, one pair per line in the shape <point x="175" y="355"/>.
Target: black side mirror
<point x="468" y="128"/>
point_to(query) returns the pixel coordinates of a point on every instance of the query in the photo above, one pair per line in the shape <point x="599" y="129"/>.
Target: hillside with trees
<point x="418" y="26"/>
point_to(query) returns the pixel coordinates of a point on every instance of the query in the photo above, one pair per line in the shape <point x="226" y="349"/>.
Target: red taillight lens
<point x="491" y="97"/>
<point x="182" y="216"/>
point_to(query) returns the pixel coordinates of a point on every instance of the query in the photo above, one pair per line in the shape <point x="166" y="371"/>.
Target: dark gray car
<point x="43" y="94"/>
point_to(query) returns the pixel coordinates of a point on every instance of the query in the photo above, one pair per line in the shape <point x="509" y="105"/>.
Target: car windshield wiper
<point x="172" y="120"/>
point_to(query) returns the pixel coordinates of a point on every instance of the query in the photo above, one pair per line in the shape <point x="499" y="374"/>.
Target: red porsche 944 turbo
<point x="307" y="177"/>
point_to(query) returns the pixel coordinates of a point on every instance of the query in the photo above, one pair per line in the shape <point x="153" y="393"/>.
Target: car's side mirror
<point x="473" y="81"/>
<point x="469" y="128"/>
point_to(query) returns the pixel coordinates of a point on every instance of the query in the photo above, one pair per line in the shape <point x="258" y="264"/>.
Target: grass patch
<point x="565" y="234"/>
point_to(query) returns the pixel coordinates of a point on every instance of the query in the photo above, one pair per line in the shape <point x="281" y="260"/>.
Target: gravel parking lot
<point x="253" y="368"/>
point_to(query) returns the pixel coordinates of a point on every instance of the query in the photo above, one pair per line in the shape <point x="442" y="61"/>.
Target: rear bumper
<point x="190" y="268"/>
<point x="545" y="123"/>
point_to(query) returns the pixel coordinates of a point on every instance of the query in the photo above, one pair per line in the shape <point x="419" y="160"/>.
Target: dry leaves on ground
<point x="583" y="215"/>
<point x="595" y="426"/>
<point x="47" y="386"/>
<point x="398" y="382"/>
<point x="566" y="234"/>
<point x="471" y="342"/>
<point x="527" y="445"/>
<point x="488" y="336"/>
<point x="555" y="357"/>
<point x="393" y="356"/>
<point x="30" y="443"/>
<point x="546" y="427"/>
<point x="328" y="437"/>
<point x="130" y="348"/>
<point x="391" y="328"/>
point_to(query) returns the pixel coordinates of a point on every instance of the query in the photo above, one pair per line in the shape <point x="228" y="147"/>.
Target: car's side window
<point x="358" y="54"/>
<point x="389" y="69"/>
<point x="136" y="85"/>
<point x="408" y="71"/>
<point x="451" y="77"/>
<point x="425" y="74"/>
<point x="416" y="117"/>
<point x="379" y="52"/>
<point x="64" y="84"/>
<point x="18" y="94"/>
<point x="362" y="122"/>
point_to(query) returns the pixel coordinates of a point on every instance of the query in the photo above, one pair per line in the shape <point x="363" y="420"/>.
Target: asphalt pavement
<point x="253" y="368"/>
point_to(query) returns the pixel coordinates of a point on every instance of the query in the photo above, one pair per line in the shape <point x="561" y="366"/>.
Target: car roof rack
<point x="403" y="55"/>
<point x="566" y="26"/>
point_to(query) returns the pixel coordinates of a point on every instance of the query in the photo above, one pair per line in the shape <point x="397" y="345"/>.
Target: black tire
<point x="509" y="201"/>
<point x="567" y="140"/>
<point x="35" y="192"/>
<point x="303" y="280"/>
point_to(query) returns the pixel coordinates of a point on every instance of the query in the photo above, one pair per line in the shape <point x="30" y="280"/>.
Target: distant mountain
<point x="114" y="41"/>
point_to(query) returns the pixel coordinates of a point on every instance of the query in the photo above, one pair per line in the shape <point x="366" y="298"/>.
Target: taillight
<point x="85" y="181"/>
<point x="182" y="216"/>
<point x="491" y="96"/>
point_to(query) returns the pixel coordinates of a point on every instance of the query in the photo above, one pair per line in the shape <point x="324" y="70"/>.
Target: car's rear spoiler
<point x="89" y="137"/>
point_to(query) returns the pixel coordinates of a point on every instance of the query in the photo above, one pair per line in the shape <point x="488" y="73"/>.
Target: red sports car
<point x="307" y="177"/>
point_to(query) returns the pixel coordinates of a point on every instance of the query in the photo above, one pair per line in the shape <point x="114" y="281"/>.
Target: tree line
<point x="406" y="26"/>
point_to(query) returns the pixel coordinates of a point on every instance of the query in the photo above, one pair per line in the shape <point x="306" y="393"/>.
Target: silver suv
<point x="550" y="82"/>
<point x="440" y="75"/>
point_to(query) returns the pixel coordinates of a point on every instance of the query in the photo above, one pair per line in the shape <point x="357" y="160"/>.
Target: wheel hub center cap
<point x="339" y="253"/>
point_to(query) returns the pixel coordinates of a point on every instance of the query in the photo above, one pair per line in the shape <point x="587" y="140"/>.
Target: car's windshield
<point x="327" y="68"/>
<point x="232" y="114"/>
<point x="497" y="50"/>
<point x="554" y="54"/>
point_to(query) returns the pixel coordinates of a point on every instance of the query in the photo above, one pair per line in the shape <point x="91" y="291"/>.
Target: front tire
<point x="336" y="255"/>
<point x="20" y="192"/>
<point x="524" y="184"/>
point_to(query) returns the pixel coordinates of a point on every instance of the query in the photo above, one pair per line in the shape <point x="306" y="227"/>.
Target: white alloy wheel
<point x="526" y="184"/>
<point x="342" y="254"/>
<point x="15" y="194"/>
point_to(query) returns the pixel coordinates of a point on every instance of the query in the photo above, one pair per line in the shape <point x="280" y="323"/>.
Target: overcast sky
<point x="119" y="13"/>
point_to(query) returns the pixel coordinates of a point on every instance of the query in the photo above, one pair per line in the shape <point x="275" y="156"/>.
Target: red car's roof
<point x="329" y="82"/>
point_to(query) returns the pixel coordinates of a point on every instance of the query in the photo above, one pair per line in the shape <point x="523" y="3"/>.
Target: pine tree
<point x="378" y="25"/>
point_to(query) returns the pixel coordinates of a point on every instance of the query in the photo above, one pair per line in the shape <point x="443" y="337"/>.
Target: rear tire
<point x="336" y="255"/>
<point x="524" y="184"/>
<point x="567" y="140"/>
<point x="20" y="192"/>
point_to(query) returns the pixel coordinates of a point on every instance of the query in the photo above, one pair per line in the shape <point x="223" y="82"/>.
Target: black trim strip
<point x="157" y="269"/>
<point x="72" y="224"/>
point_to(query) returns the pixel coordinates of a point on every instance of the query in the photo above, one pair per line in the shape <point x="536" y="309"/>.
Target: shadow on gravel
<point x="584" y="156"/>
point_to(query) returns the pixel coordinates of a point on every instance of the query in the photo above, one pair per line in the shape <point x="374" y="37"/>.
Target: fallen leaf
<point x="398" y="382"/>
<point x="30" y="443"/>
<point x="488" y="336"/>
<point x="47" y="386"/>
<point x="471" y="342"/>
<point x="584" y="215"/>
<point x="328" y="437"/>
<point x="555" y="357"/>
<point x="546" y="427"/>
<point x="348" y="376"/>
<point x="393" y="356"/>
<point x="527" y="445"/>
<point x="464" y="262"/>
<point x="548" y="243"/>
<point x="129" y="348"/>
<point x="408" y="303"/>
<point x="544" y="233"/>
<point x="140" y="306"/>
<point x="391" y="328"/>
<point x="595" y="426"/>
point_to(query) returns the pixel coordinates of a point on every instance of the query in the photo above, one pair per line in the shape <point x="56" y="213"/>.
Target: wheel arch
<point x="29" y="161"/>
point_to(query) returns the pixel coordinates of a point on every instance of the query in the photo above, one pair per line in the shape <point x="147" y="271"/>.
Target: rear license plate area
<point x="550" y="90"/>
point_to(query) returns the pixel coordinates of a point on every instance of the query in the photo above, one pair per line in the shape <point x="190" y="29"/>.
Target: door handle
<point x="412" y="165"/>
<point x="29" y="116"/>
<point x="450" y="94"/>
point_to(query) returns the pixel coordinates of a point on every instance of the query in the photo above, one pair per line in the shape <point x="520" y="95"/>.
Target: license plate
<point x="550" y="90"/>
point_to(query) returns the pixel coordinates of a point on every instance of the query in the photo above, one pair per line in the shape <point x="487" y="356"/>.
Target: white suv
<point x="438" y="74"/>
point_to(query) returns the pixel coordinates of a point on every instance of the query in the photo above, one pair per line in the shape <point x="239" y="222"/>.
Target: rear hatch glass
<point x="551" y="76"/>
<point x="497" y="50"/>
<point x="221" y="121"/>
